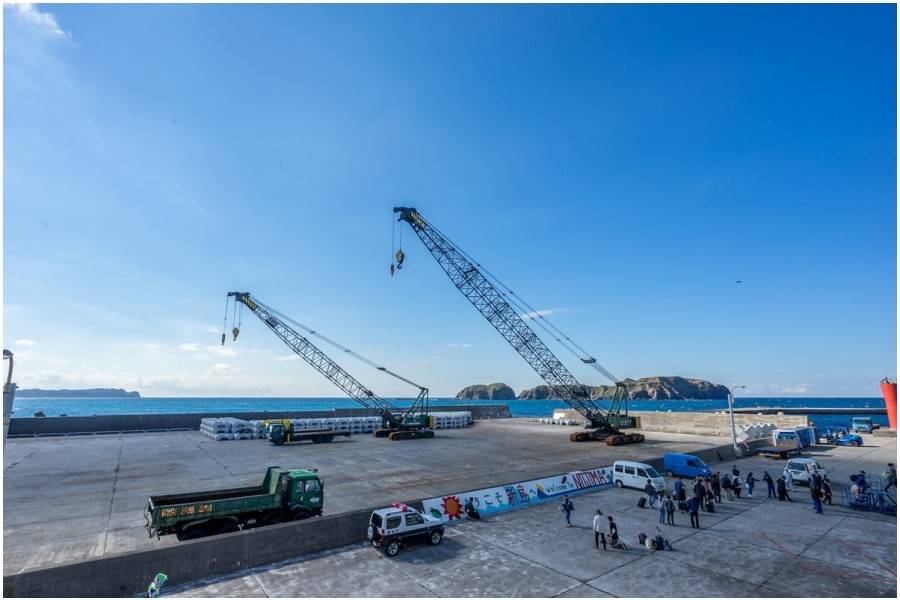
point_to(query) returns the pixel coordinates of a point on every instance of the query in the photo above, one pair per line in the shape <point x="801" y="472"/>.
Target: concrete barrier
<point x="128" y="574"/>
<point x="102" y="423"/>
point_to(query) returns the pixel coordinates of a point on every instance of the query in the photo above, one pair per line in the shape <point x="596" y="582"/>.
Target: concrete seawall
<point x="127" y="574"/>
<point x="115" y="423"/>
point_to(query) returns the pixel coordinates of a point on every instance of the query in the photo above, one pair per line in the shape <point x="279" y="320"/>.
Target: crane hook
<point x="223" y="339"/>
<point x="235" y="333"/>
<point x="400" y="256"/>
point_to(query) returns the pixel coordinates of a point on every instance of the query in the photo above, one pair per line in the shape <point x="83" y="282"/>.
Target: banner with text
<point x="490" y="501"/>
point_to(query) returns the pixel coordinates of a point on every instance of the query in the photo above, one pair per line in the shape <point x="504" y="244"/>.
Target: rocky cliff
<point x="491" y="391"/>
<point x="647" y="388"/>
<point x="91" y="393"/>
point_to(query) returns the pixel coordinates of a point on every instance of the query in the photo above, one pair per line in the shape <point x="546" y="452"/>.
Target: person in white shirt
<point x="599" y="536"/>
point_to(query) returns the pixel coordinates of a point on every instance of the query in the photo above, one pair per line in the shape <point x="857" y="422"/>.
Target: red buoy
<point x="889" y="391"/>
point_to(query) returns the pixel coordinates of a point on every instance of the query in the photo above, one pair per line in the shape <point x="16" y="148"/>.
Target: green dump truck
<point x="284" y="495"/>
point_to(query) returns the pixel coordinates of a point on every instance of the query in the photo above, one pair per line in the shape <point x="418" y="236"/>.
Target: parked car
<point x="684" y="465"/>
<point x="397" y="526"/>
<point x="801" y="469"/>
<point x="635" y="475"/>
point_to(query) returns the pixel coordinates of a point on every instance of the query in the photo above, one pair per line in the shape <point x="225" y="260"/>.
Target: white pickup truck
<point x="399" y="525"/>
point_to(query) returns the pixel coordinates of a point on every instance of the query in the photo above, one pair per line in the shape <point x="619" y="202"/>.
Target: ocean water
<point x="26" y="407"/>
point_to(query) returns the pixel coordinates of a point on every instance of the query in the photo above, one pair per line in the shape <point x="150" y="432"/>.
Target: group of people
<point x="605" y="532"/>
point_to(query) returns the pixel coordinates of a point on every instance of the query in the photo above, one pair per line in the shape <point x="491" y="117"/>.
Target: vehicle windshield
<point x="651" y="472"/>
<point x="700" y="463"/>
<point x="376" y="519"/>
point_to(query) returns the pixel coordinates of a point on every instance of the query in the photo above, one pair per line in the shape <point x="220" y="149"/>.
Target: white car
<point x="635" y="475"/>
<point x="391" y="528"/>
<point x="801" y="470"/>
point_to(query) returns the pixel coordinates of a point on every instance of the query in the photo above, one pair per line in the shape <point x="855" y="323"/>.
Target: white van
<point x="801" y="469"/>
<point x="635" y="475"/>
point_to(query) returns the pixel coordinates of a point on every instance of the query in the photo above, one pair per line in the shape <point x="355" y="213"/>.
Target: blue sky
<point x="621" y="166"/>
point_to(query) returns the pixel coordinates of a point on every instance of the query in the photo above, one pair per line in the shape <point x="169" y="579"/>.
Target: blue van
<point x="684" y="465"/>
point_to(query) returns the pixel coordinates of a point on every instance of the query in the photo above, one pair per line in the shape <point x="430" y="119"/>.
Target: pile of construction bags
<point x="549" y="421"/>
<point x="757" y="431"/>
<point x="229" y="428"/>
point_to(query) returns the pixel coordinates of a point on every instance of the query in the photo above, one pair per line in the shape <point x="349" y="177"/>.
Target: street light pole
<point x="734" y="443"/>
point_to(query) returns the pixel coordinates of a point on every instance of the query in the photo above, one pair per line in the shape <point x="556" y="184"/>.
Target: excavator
<point x="398" y="423"/>
<point x="510" y="316"/>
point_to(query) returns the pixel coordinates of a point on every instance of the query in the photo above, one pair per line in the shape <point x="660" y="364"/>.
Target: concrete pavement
<point x="749" y="547"/>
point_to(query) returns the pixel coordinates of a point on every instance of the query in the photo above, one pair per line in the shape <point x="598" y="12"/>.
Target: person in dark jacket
<point x="782" y="490"/>
<point x="729" y="489"/>
<point x="735" y="472"/>
<point x="651" y="493"/>
<point x="566" y="508"/>
<point x="694" y="509"/>
<point x="816" y="495"/>
<point x="669" y="503"/>
<point x="815" y="482"/>
<point x="826" y="491"/>
<point x="770" y="484"/>
<point x="736" y="487"/>
<point x="716" y="485"/>
<point x="751" y="481"/>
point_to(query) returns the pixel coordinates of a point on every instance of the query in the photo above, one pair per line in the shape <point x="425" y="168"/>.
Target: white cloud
<point x="192" y="347"/>
<point x="151" y="346"/>
<point x="221" y="350"/>
<point x="24" y="342"/>
<point x="546" y="312"/>
<point x="459" y="345"/>
<point x="288" y="357"/>
<point x="212" y="329"/>
<point x="42" y="22"/>
<point x="58" y="362"/>
<point x="221" y="369"/>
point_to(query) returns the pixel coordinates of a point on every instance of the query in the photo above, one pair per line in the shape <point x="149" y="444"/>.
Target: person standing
<point x="670" y="510"/>
<point x="694" y="509"/>
<point x="716" y="485"/>
<point x="736" y="484"/>
<point x="816" y="495"/>
<point x="735" y="472"/>
<point x="751" y="481"/>
<point x="662" y="511"/>
<point x="729" y="489"/>
<point x="890" y="479"/>
<point x="599" y="537"/>
<point x="770" y="485"/>
<point x="826" y="491"/>
<point x="651" y="493"/>
<point x="788" y="479"/>
<point x="566" y="508"/>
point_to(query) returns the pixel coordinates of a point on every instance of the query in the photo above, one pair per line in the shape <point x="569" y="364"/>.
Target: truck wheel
<point x="327" y="438"/>
<point x="435" y="537"/>
<point x="618" y="483"/>
<point x="392" y="548"/>
<point x="300" y="514"/>
<point x="854" y="443"/>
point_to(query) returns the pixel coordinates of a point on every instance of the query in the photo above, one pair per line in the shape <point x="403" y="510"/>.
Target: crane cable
<point x="532" y="314"/>
<point x="339" y="346"/>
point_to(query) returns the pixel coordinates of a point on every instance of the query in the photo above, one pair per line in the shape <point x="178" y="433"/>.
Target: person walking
<point x="751" y="481"/>
<point x="826" y="491"/>
<point x="816" y="495"/>
<point x="694" y="509"/>
<point x="788" y="479"/>
<point x="716" y="485"/>
<point x="729" y="489"/>
<point x="782" y="490"/>
<point x="670" y="510"/>
<point x="770" y="485"/>
<point x="599" y="537"/>
<point x="736" y="484"/>
<point x="566" y="508"/>
<point x="662" y="511"/>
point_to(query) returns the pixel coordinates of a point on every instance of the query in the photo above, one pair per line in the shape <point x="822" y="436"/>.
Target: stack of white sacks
<point x="756" y="431"/>
<point x="549" y="421"/>
<point x="230" y="428"/>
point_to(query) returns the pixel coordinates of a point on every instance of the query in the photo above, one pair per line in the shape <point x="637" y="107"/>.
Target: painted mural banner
<point x="504" y="498"/>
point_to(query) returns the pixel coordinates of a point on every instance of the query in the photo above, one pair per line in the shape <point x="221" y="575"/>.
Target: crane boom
<point x="490" y="302"/>
<point x="415" y="417"/>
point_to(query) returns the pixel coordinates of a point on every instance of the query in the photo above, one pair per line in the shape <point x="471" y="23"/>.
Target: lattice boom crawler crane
<point x="398" y="424"/>
<point x="497" y="307"/>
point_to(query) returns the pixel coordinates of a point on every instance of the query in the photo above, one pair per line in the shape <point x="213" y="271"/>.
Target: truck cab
<point x="399" y="525"/>
<point x="862" y="425"/>
<point x="301" y="493"/>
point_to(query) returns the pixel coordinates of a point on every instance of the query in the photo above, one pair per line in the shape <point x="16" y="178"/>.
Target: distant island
<point x="491" y="391"/>
<point x="91" y="393"/>
<point x="645" y="388"/>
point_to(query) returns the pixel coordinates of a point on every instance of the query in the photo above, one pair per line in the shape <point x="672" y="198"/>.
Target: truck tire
<point x="300" y="514"/>
<point x="317" y="439"/>
<point x="854" y="443"/>
<point x="434" y="538"/>
<point x="391" y="548"/>
<point x="327" y="438"/>
<point x="192" y="532"/>
<point x="618" y="483"/>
